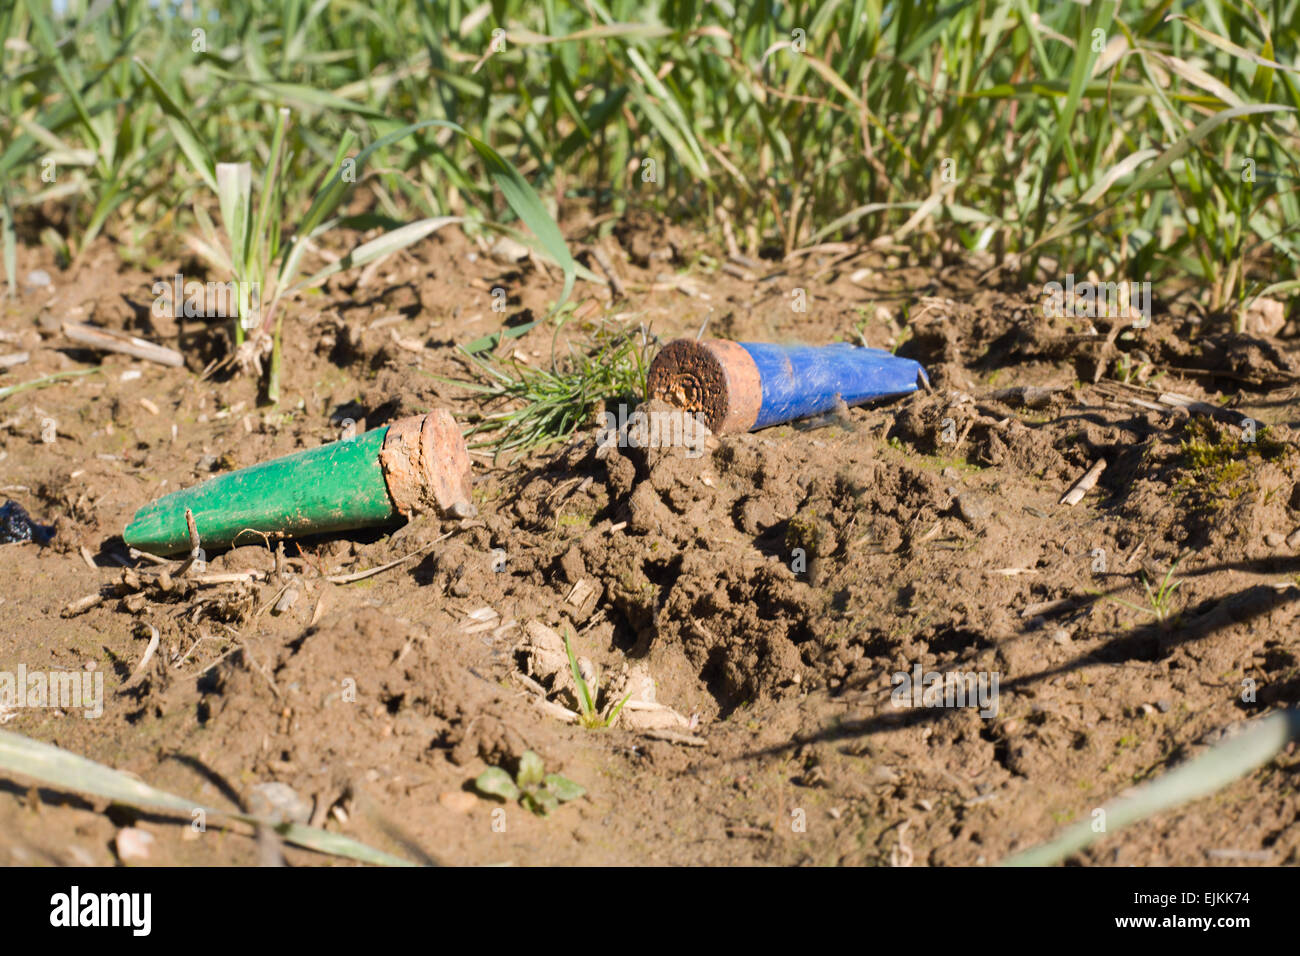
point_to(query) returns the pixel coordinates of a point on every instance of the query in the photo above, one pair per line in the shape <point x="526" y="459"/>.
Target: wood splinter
<point x="1084" y="484"/>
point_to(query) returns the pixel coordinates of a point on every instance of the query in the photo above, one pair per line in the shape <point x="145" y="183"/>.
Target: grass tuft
<point x="546" y="406"/>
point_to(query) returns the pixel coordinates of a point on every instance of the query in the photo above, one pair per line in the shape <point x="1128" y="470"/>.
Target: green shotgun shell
<point x="413" y="465"/>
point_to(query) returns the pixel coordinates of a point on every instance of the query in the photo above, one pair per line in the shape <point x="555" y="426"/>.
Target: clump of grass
<point x="588" y="716"/>
<point x="548" y="405"/>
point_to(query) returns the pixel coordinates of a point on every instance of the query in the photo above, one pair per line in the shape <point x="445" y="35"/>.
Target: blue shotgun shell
<point x="741" y="386"/>
<point x="799" y="381"/>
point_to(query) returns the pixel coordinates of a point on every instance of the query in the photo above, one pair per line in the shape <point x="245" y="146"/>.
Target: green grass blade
<point x="10" y="244"/>
<point x="1228" y="761"/>
<point x="385" y="245"/>
<point x="195" y="149"/>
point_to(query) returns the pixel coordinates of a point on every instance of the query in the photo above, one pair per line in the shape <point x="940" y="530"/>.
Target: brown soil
<point x="930" y="530"/>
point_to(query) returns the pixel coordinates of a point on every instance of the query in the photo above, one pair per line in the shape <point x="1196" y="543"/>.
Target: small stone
<point x="1265" y="317"/>
<point x="1293" y="540"/>
<point x="1273" y="539"/>
<point x="279" y="802"/>
<point x="458" y="801"/>
<point x="951" y="473"/>
<point x="463" y="509"/>
<point x="133" y="844"/>
<point x="1147" y="710"/>
<point x="757" y="516"/>
<point x="507" y="251"/>
<point x="38" y="278"/>
<point x="1164" y="706"/>
<point x="286" y="602"/>
<point x="883" y="774"/>
<point x="973" y="508"/>
<point x="1061" y="636"/>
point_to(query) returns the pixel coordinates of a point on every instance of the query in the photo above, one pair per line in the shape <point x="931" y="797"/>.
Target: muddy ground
<point x="930" y="530"/>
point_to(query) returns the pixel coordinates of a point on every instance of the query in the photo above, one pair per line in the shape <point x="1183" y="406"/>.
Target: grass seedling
<point x="45" y="381"/>
<point x="536" y="790"/>
<point x="588" y="716"/>
<point x="1160" y="600"/>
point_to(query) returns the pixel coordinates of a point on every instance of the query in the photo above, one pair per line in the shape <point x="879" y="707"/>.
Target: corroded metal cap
<point x="713" y="377"/>
<point x="426" y="464"/>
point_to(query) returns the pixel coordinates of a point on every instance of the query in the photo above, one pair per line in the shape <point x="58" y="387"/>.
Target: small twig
<point x="193" y="647"/>
<point x="361" y="575"/>
<point x="274" y="597"/>
<point x="319" y="610"/>
<point x="607" y="267"/>
<point x="234" y="650"/>
<point x="1084" y="484"/>
<point x="108" y="340"/>
<point x="1175" y="400"/>
<point x="252" y="662"/>
<point x="901" y="855"/>
<point x="195" y="550"/>
<point x="149" y="652"/>
<point x="82" y="605"/>
<point x="146" y="556"/>
<point x="673" y="737"/>
<point x="228" y="577"/>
